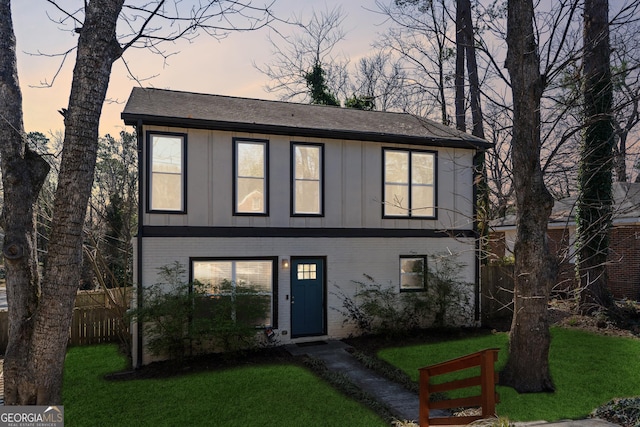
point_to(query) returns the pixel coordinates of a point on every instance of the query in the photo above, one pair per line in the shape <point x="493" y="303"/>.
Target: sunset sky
<point x="207" y="65"/>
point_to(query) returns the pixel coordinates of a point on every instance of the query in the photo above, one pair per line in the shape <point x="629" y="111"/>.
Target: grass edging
<point x="344" y="385"/>
<point x="386" y="370"/>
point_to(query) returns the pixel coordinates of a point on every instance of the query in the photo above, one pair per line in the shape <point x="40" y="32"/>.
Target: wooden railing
<point x="487" y="379"/>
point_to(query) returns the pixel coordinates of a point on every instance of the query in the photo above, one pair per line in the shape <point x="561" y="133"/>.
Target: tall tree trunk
<point x="472" y="69"/>
<point x="465" y="48"/>
<point x="23" y="174"/>
<point x="527" y="368"/>
<point x="35" y="355"/>
<point x="593" y="219"/>
<point x="441" y="38"/>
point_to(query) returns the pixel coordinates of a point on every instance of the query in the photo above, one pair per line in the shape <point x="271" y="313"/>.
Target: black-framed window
<point x="232" y="277"/>
<point x="413" y="272"/>
<point x="409" y="183"/>
<point x="251" y="173"/>
<point x="167" y="180"/>
<point x="307" y="176"/>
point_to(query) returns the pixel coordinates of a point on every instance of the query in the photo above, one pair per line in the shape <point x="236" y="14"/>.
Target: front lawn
<point x="588" y="370"/>
<point x="261" y="395"/>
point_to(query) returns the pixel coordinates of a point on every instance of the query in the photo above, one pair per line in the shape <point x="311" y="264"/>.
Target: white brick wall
<point x="347" y="260"/>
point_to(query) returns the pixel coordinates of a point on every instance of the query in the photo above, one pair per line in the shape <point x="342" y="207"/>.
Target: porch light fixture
<point x="285" y="263"/>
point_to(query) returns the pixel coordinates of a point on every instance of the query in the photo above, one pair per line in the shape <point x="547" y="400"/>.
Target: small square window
<point x="413" y="273"/>
<point x="307" y="271"/>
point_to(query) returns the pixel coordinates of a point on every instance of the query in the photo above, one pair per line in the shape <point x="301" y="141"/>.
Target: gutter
<point x="272" y="129"/>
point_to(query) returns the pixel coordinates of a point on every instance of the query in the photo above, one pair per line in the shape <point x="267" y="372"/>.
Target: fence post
<point x="488" y="386"/>
<point x="423" y="420"/>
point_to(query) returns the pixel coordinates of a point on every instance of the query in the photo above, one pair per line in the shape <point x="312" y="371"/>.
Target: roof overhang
<point x="182" y="122"/>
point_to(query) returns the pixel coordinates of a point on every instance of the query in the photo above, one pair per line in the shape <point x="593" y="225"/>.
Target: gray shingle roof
<point x="626" y="206"/>
<point x="186" y="109"/>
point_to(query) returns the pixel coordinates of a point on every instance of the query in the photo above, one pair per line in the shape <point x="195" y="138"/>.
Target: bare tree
<point x="626" y="117"/>
<point x="466" y="49"/>
<point x="113" y="209"/>
<point x="40" y="306"/>
<point x="419" y="37"/>
<point x="380" y="78"/>
<point x="625" y="68"/>
<point x="461" y="39"/>
<point x="527" y="368"/>
<point x="295" y="56"/>
<point x="558" y="36"/>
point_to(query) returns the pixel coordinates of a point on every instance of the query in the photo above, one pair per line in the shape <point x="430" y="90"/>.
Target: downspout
<point x="140" y="138"/>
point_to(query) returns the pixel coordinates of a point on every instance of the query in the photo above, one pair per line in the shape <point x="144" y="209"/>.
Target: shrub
<point x="182" y="319"/>
<point x="378" y="308"/>
<point x="382" y="309"/>
<point x="625" y="411"/>
<point x="449" y="294"/>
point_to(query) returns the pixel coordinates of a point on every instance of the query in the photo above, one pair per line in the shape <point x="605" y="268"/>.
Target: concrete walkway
<point x="403" y="403"/>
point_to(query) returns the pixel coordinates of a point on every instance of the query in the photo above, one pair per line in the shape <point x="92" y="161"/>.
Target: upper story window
<point x="308" y="175"/>
<point x="166" y="187"/>
<point x="409" y="183"/>
<point x="251" y="172"/>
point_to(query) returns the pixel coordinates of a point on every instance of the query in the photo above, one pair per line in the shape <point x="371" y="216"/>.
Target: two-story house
<point x="296" y="199"/>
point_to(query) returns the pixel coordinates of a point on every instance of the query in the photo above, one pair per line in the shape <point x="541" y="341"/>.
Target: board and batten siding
<point x="352" y="185"/>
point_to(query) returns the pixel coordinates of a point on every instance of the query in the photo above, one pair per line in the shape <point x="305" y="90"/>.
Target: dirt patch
<point x="623" y="322"/>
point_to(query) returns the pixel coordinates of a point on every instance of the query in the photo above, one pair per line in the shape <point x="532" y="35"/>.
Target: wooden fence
<point x="497" y="292"/>
<point x="102" y="298"/>
<point x="96" y="325"/>
<point x="94" y="321"/>
<point x="487" y="380"/>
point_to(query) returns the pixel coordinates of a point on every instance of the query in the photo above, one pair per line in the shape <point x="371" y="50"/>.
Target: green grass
<point x="262" y="395"/>
<point x="588" y="370"/>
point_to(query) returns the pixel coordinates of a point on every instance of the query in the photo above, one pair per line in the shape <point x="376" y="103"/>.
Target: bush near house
<point x="184" y="319"/>
<point x="376" y="308"/>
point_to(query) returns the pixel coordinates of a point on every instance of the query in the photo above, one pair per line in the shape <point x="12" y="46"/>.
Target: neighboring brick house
<point x="298" y="198"/>
<point x="623" y="266"/>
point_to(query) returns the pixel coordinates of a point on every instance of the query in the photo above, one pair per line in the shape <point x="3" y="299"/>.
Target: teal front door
<point x="308" y="295"/>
